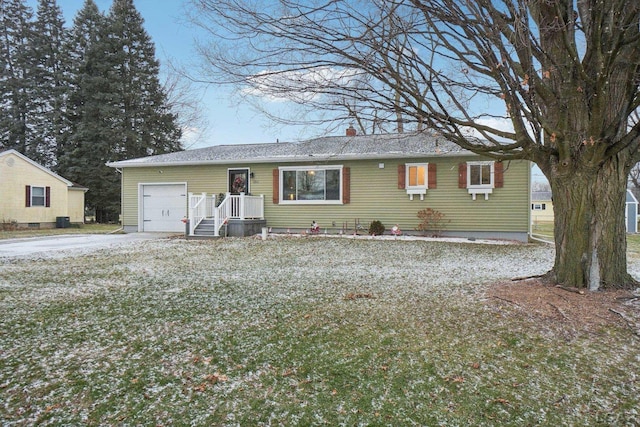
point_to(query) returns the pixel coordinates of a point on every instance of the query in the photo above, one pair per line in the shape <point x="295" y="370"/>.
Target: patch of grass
<point x="633" y="244"/>
<point x="543" y="229"/>
<point x="297" y="332"/>
<point x="75" y="229"/>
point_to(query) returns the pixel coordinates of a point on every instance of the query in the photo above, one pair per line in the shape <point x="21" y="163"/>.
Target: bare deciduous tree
<point x="537" y="186"/>
<point x="184" y="99"/>
<point x="564" y="72"/>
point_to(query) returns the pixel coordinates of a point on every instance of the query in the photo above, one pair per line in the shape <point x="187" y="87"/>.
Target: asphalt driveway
<point x="69" y="245"/>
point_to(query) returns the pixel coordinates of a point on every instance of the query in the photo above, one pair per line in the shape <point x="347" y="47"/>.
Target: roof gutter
<point x="311" y="157"/>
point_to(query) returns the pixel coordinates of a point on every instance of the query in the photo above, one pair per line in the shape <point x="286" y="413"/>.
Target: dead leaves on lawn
<point x="566" y="310"/>
<point x="354" y="296"/>
<point x="210" y="380"/>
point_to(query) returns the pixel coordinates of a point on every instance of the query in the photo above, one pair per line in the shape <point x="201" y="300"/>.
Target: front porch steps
<point x="205" y="228"/>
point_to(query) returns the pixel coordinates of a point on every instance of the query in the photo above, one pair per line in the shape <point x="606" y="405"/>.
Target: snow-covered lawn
<point x="297" y="331"/>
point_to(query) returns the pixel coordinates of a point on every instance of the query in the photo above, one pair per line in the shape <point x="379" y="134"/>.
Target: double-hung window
<point x="480" y="177"/>
<point x="37" y="196"/>
<point x="311" y="184"/>
<point x="417" y="179"/>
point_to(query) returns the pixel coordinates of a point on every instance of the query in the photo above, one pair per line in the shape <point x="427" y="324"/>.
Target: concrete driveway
<point x="69" y="244"/>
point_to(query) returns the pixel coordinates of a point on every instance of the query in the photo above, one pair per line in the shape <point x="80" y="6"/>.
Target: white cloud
<point x="502" y="124"/>
<point x="298" y="86"/>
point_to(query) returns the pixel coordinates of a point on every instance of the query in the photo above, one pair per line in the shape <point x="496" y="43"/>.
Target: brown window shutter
<point x="276" y="186"/>
<point x="28" y="196"/>
<point x="47" y="197"/>
<point x="431" y="176"/>
<point x="498" y="174"/>
<point x="402" y="176"/>
<point x="462" y="175"/>
<point x="346" y="185"/>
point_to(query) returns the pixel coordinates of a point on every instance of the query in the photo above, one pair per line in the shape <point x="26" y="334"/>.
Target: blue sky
<point x="228" y="121"/>
<point x="174" y="38"/>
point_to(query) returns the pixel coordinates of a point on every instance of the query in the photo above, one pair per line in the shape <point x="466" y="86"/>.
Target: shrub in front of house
<point x="376" y="228"/>
<point x="8" y="225"/>
<point x="431" y="222"/>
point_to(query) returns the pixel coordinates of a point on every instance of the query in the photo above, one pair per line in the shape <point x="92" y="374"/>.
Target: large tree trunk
<point x="590" y="232"/>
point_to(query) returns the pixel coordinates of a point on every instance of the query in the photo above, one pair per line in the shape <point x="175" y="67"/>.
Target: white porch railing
<point x="234" y="206"/>
<point x="199" y="208"/>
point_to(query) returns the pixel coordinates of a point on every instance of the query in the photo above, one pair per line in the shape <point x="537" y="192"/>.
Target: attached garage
<point x="162" y="207"/>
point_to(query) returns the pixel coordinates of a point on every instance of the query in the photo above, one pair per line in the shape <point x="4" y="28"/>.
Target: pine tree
<point x="91" y="113"/>
<point x="17" y="67"/>
<point x="117" y="108"/>
<point x="51" y="83"/>
<point x="83" y="39"/>
<point x="146" y="125"/>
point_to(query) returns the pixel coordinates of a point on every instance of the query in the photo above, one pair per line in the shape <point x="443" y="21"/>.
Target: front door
<point x="239" y="181"/>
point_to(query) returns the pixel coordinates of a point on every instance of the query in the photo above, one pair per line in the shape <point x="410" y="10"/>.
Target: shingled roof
<point x="326" y="148"/>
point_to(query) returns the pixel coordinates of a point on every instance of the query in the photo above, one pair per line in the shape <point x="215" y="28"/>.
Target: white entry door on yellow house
<point x="163" y="206"/>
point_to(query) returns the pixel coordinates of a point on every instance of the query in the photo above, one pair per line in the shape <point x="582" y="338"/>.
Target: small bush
<point x="9" y="225"/>
<point x="431" y="221"/>
<point x="376" y="228"/>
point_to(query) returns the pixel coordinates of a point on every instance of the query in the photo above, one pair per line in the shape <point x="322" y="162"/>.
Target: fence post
<point x="216" y="221"/>
<point x="190" y="214"/>
<point x="262" y="206"/>
<point x="241" y="206"/>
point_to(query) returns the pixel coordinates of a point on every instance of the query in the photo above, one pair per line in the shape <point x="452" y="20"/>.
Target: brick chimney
<point x="351" y="131"/>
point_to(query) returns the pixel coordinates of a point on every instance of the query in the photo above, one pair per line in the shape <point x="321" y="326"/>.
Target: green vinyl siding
<point x="374" y="195"/>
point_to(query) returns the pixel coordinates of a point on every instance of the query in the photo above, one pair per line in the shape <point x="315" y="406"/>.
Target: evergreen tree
<point x="91" y="113"/>
<point x="117" y="108"/>
<point x="17" y="68"/>
<point x="84" y="36"/>
<point x="146" y="126"/>
<point x="51" y="83"/>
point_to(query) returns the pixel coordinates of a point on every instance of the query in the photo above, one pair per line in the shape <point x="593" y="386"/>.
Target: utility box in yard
<point x="62" y="222"/>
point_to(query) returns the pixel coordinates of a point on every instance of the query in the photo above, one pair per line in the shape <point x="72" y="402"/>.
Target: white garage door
<point x="163" y="207"/>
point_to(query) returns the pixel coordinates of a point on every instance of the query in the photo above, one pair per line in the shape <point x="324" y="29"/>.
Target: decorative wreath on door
<point x="238" y="185"/>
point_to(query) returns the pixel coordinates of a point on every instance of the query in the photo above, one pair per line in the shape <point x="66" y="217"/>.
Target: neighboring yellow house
<point x="33" y="196"/>
<point x="541" y="208"/>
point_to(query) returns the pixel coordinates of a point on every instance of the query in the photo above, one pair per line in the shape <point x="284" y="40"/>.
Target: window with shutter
<point x="402" y="177"/>
<point x="417" y="178"/>
<point x="462" y="175"/>
<point x="313" y="185"/>
<point x="480" y="177"/>
<point x="38" y="196"/>
<point x="276" y="186"/>
<point x="346" y="185"/>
